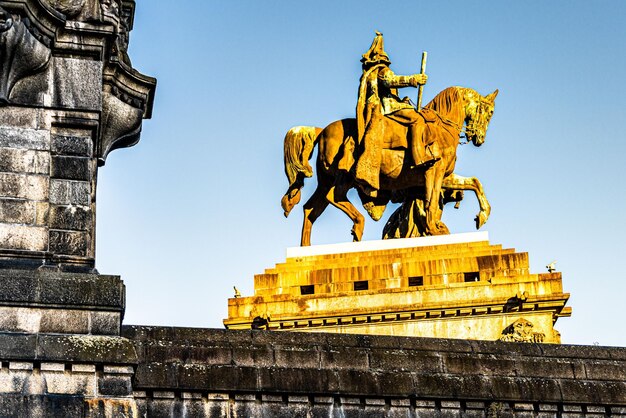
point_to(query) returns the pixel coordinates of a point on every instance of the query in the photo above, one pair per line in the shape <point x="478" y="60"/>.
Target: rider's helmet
<point x="376" y="54"/>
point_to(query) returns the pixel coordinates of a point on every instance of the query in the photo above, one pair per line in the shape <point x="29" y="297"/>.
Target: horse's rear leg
<point x="313" y="208"/>
<point x="338" y="197"/>
<point x="433" y="183"/>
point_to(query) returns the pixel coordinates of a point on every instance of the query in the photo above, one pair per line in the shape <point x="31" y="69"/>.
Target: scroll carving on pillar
<point x="21" y="53"/>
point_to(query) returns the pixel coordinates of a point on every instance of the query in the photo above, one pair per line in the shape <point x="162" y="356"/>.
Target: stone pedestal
<point x="41" y="301"/>
<point x="457" y="286"/>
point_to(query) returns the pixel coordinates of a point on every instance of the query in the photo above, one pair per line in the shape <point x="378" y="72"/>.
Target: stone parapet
<point x="216" y="373"/>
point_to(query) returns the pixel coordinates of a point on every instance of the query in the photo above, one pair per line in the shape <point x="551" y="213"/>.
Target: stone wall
<point x="219" y="373"/>
<point x="186" y="372"/>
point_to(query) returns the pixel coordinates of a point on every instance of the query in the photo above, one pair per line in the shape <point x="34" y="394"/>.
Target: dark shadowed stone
<point x="114" y="386"/>
<point x="106" y="323"/>
<point x="386" y="359"/>
<point x="69" y="242"/>
<point x="77" y="218"/>
<point x="21" y="406"/>
<point x="259" y="356"/>
<point x="296" y="380"/>
<point x="347" y="357"/>
<point x="81" y="289"/>
<point x="85" y="348"/>
<point x="17" y="346"/>
<point x="16" y="286"/>
<point x="70" y="168"/>
<point x="72" y="145"/>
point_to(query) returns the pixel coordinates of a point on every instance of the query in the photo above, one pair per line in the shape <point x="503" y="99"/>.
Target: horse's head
<point x="478" y="112"/>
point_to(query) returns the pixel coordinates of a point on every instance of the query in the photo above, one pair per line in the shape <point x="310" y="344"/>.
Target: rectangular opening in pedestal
<point x="416" y="281"/>
<point x="361" y="285"/>
<point x="307" y="290"/>
<point x="472" y="276"/>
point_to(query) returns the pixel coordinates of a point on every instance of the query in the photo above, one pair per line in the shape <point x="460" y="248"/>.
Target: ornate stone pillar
<point x="68" y="97"/>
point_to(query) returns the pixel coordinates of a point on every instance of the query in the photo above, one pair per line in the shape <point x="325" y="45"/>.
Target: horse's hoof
<point x="480" y="219"/>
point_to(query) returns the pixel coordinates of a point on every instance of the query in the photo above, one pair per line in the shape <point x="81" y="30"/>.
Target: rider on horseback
<point x="378" y="98"/>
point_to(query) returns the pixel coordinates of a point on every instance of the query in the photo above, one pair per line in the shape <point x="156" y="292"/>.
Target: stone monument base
<point x="61" y="353"/>
<point x="455" y="286"/>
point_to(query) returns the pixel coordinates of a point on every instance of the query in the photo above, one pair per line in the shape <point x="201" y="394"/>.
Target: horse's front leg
<point x="456" y="182"/>
<point x="433" y="182"/>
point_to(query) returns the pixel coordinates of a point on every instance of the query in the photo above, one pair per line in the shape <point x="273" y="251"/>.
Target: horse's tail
<point x="299" y="144"/>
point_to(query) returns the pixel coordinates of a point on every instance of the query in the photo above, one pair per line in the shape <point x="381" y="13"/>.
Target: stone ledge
<point x="307" y="364"/>
<point x="42" y="288"/>
<point x="47" y="348"/>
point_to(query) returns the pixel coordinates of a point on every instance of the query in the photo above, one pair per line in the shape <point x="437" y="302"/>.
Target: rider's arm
<point x="390" y="80"/>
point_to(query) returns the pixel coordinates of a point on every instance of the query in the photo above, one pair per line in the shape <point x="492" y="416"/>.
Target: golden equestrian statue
<point x="392" y="152"/>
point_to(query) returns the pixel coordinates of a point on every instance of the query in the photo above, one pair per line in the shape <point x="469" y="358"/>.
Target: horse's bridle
<point x="476" y="123"/>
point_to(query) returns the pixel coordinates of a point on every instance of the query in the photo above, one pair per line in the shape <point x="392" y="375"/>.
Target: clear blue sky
<point x="194" y="208"/>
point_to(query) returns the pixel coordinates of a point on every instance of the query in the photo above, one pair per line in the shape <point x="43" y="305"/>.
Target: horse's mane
<point x="449" y="103"/>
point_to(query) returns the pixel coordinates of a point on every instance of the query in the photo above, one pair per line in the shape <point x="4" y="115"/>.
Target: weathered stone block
<point x="114" y="386"/>
<point x="106" y="323"/>
<point x="72" y="145"/>
<point x="20" y="405"/>
<point x="69" y="91"/>
<point x="349" y="357"/>
<point x="302" y="356"/>
<point x="70" y="168"/>
<point x="52" y="367"/>
<point x="64" y="321"/>
<point x="68" y="192"/>
<point x="24" y="161"/>
<point x="253" y="355"/>
<point x="405" y="360"/>
<point x="69" y="243"/>
<point x="19" y="237"/>
<point x="17" y="211"/>
<point x="31" y="187"/>
<point x="19" y="319"/>
<point x="24" y="138"/>
<point x="84" y="349"/>
<point x="24" y="117"/>
<point x="70" y="383"/>
<point x="77" y="218"/>
<point x="81" y="289"/>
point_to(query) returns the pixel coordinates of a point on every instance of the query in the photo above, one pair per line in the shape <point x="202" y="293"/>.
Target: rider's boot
<point x="423" y="156"/>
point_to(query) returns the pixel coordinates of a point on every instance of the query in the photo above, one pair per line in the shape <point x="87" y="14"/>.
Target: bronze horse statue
<point x="338" y="150"/>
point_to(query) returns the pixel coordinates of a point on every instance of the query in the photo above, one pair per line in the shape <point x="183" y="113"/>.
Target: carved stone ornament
<point x="69" y="8"/>
<point x="521" y="331"/>
<point x="21" y="53"/>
